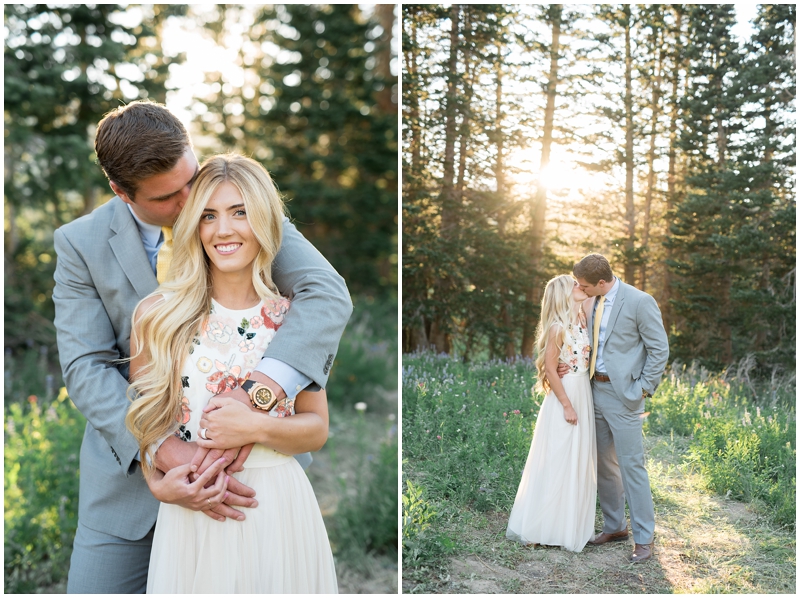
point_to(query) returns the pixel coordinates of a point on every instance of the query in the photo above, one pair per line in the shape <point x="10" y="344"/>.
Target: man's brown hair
<point x="138" y="141"/>
<point x="593" y="268"/>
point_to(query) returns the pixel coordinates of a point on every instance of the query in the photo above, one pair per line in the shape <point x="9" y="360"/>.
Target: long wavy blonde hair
<point x="556" y="310"/>
<point x="168" y="328"/>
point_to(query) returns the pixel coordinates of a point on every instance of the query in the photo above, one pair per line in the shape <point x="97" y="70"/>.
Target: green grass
<point x="467" y="430"/>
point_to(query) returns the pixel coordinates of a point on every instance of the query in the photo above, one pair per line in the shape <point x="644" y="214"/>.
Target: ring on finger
<point x="202" y="433"/>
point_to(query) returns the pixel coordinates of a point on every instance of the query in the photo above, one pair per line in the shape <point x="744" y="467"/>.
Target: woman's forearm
<point x="299" y="433"/>
<point x="228" y="423"/>
<point x="555" y="384"/>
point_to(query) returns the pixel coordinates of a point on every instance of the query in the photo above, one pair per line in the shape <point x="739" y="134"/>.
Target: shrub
<point x="42" y="444"/>
<point x="421" y="543"/>
<point x="742" y="434"/>
<point x="751" y="459"/>
<point x="366" y="363"/>
<point x="366" y="519"/>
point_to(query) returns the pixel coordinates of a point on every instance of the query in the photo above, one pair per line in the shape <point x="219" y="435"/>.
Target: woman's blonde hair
<point x="556" y="311"/>
<point x="169" y="326"/>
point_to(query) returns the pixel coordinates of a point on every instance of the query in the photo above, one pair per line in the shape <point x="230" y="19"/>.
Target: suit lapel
<point x="590" y="319"/>
<point x="126" y="243"/>
<point x="618" y="301"/>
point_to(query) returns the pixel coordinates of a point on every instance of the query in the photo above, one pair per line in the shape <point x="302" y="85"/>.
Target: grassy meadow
<point x="721" y="454"/>
<point x="354" y="476"/>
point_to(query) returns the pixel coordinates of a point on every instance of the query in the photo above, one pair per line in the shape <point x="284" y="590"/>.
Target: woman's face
<point x="577" y="294"/>
<point x="225" y="232"/>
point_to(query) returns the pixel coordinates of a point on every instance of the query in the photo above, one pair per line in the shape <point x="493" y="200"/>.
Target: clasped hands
<point x="198" y="473"/>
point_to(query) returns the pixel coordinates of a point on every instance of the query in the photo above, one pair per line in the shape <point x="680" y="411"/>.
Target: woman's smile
<point x="228" y="248"/>
<point x="225" y="232"/>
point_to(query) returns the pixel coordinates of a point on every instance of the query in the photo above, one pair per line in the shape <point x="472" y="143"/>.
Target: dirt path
<point x="704" y="544"/>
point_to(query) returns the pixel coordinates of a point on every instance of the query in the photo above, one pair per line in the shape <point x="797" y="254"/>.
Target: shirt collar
<point x="613" y="292"/>
<point x="150" y="233"/>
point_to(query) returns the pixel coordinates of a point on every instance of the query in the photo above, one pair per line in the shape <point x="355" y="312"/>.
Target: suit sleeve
<point x="87" y="346"/>
<point x="651" y="329"/>
<point x="321" y="306"/>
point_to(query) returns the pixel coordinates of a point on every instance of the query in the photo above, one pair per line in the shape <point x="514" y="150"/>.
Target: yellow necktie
<point x="164" y="258"/>
<point x="598" y="316"/>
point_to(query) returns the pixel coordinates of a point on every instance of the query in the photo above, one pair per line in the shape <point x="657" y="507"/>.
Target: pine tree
<point x="310" y="109"/>
<point x="709" y="264"/>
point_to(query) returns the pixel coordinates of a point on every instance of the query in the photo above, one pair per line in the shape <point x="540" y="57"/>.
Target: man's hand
<point x="563" y="370"/>
<point x="175" y="487"/>
<point x="174" y="452"/>
<point x="205" y="457"/>
<point x="238" y="494"/>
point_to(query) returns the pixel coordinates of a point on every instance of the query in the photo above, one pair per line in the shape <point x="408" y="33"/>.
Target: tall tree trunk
<point x="539" y="207"/>
<point x="726" y="307"/>
<point x="630" y="212"/>
<point x="439" y="336"/>
<point x="666" y="293"/>
<point x="769" y="150"/>
<point x="413" y="102"/>
<point x="651" y="157"/>
<point x="466" y="108"/>
<point x="500" y="178"/>
<point x="451" y="110"/>
<point x="385" y="14"/>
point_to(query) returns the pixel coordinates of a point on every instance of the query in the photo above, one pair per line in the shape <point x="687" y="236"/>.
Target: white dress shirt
<point x="601" y="336"/>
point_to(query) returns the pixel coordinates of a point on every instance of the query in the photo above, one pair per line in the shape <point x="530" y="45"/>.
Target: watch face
<point x="263" y="398"/>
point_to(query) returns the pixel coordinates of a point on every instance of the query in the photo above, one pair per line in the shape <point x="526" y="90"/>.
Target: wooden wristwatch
<point x="261" y="395"/>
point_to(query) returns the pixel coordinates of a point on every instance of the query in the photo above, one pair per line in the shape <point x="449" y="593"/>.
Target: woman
<point x="199" y="335"/>
<point x="555" y="503"/>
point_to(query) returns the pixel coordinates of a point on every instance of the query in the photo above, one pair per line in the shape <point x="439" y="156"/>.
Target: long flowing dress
<point x="555" y="503"/>
<point x="282" y="545"/>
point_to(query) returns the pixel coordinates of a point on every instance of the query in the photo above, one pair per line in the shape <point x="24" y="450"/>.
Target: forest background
<point x="535" y="134"/>
<point x="309" y="91"/>
<point x="662" y="136"/>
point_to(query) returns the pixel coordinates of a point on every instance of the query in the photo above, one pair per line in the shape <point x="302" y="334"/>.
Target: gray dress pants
<point x="105" y="564"/>
<point x="621" y="473"/>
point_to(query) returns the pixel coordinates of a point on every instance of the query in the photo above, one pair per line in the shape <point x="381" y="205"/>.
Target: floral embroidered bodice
<point x="576" y="349"/>
<point x="223" y="354"/>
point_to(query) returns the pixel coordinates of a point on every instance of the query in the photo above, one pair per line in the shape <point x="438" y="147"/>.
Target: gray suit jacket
<point x="636" y="350"/>
<point x="101" y="274"/>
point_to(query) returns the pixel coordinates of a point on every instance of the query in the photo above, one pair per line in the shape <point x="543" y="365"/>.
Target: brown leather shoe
<point x="641" y="553"/>
<point x="604" y="537"/>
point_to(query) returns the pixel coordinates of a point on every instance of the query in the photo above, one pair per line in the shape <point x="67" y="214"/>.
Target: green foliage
<point x="60" y="77"/>
<point x="467" y="430"/>
<point x="422" y="544"/>
<point x="322" y="119"/>
<point x="366" y="519"/>
<point x="731" y="234"/>
<point x="42" y="443"/>
<point x="742" y="438"/>
<point x="365" y="368"/>
<point x="752" y="460"/>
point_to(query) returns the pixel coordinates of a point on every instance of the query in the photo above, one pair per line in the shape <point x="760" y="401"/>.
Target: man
<point x="629" y="353"/>
<point x="107" y="262"/>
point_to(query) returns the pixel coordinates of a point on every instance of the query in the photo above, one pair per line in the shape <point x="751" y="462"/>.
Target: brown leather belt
<point x="601" y="377"/>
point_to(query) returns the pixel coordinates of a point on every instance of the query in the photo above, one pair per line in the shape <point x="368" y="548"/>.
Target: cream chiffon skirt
<point x="280" y="548"/>
<point x="555" y="503"/>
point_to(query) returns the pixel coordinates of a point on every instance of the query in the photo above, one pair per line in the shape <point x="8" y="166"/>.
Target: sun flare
<point x="561" y="175"/>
